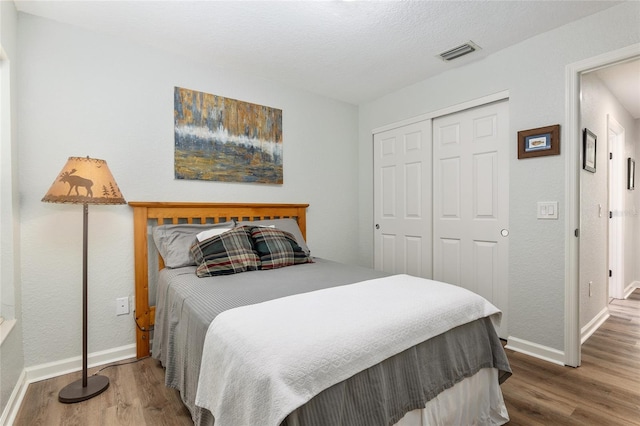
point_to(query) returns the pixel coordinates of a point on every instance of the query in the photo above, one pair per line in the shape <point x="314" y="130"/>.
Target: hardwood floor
<point x="605" y="390"/>
<point x="136" y="396"/>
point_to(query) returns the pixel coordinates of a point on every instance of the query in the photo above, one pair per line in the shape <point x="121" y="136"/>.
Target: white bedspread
<point x="260" y="362"/>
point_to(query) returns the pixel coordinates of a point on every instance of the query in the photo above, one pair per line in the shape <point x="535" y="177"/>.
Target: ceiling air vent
<point x="461" y="50"/>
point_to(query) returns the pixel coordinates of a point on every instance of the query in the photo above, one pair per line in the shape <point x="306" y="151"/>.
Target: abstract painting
<point x="226" y="140"/>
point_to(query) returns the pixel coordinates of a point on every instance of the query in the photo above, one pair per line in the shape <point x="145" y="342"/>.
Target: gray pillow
<point x="174" y="241"/>
<point x="288" y="225"/>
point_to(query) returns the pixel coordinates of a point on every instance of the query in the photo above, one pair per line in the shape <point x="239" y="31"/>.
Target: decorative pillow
<point x="277" y="248"/>
<point x="287" y="224"/>
<point x="228" y="253"/>
<point x="174" y="241"/>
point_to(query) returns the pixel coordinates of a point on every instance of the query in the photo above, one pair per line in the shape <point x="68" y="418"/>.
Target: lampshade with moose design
<point x="85" y="180"/>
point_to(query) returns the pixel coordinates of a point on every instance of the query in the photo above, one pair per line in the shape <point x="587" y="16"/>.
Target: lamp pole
<point x="87" y="387"/>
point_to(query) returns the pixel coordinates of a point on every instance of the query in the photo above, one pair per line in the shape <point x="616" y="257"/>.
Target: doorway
<point x="573" y="167"/>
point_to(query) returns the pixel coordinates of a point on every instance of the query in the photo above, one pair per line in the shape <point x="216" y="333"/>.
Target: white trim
<point x="15" y="401"/>
<point x="58" y="368"/>
<point x="572" y="197"/>
<point x="572" y="222"/>
<point x="631" y="288"/>
<point x="499" y="96"/>
<point x="594" y="324"/>
<point x="5" y="328"/>
<point x="615" y="234"/>
<point x="70" y="365"/>
<point x="535" y="350"/>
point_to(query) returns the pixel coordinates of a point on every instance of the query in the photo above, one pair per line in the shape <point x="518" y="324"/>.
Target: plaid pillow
<point x="174" y="241"/>
<point x="228" y="253"/>
<point x="277" y="248"/>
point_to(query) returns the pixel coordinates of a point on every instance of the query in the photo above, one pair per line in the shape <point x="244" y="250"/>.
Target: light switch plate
<point x="547" y="210"/>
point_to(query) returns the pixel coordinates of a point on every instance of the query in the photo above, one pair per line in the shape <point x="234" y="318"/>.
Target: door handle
<point x="377" y="226"/>
<point x="504" y="232"/>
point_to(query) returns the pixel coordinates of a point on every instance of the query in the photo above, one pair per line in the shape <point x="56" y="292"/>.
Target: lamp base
<point x="75" y="392"/>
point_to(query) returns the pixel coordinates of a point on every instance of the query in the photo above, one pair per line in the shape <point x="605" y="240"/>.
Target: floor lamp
<point x="85" y="181"/>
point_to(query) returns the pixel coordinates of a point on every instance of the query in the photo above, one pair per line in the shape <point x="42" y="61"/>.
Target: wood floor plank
<point x="604" y="390"/>
<point x="136" y="396"/>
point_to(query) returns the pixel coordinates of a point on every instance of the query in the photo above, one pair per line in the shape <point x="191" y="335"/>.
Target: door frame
<point x="572" y="344"/>
<point x="616" y="143"/>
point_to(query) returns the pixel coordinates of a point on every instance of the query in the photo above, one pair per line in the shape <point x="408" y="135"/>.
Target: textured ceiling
<point x="354" y="51"/>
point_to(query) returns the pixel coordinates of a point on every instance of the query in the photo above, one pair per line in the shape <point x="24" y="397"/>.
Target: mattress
<point x="186" y="305"/>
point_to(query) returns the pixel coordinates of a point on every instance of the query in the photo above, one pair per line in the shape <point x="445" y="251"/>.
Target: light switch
<point x="547" y="210"/>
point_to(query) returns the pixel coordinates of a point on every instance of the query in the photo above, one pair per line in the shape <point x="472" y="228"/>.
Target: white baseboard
<point x="15" y="400"/>
<point x="58" y="368"/>
<point x="631" y="288"/>
<point x="594" y="324"/>
<point x="535" y="350"/>
<point x="70" y="365"/>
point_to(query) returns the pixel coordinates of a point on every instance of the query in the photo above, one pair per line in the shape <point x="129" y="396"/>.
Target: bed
<point x="335" y="370"/>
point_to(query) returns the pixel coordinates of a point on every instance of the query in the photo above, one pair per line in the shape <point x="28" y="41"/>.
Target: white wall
<point x="533" y="72"/>
<point x="11" y="349"/>
<point x="598" y="103"/>
<point x="82" y="93"/>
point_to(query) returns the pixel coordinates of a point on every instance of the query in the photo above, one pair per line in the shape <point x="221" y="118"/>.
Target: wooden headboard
<point x="161" y="213"/>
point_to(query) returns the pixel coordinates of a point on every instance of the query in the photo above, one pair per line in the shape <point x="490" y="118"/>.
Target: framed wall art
<point x="589" y="142"/>
<point x="631" y="173"/>
<point x="539" y="142"/>
<point x="226" y="140"/>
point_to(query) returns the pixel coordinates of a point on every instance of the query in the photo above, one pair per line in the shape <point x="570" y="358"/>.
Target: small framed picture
<point x="589" y="140"/>
<point x="631" y="173"/>
<point x="539" y="142"/>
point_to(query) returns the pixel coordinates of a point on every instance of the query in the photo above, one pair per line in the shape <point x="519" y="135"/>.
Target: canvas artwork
<point x="227" y="140"/>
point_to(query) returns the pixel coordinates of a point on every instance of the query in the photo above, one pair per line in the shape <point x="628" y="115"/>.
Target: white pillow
<point x="205" y="235"/>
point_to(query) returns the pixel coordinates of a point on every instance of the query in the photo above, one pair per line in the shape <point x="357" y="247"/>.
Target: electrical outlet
<point x="122" y="306"/>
